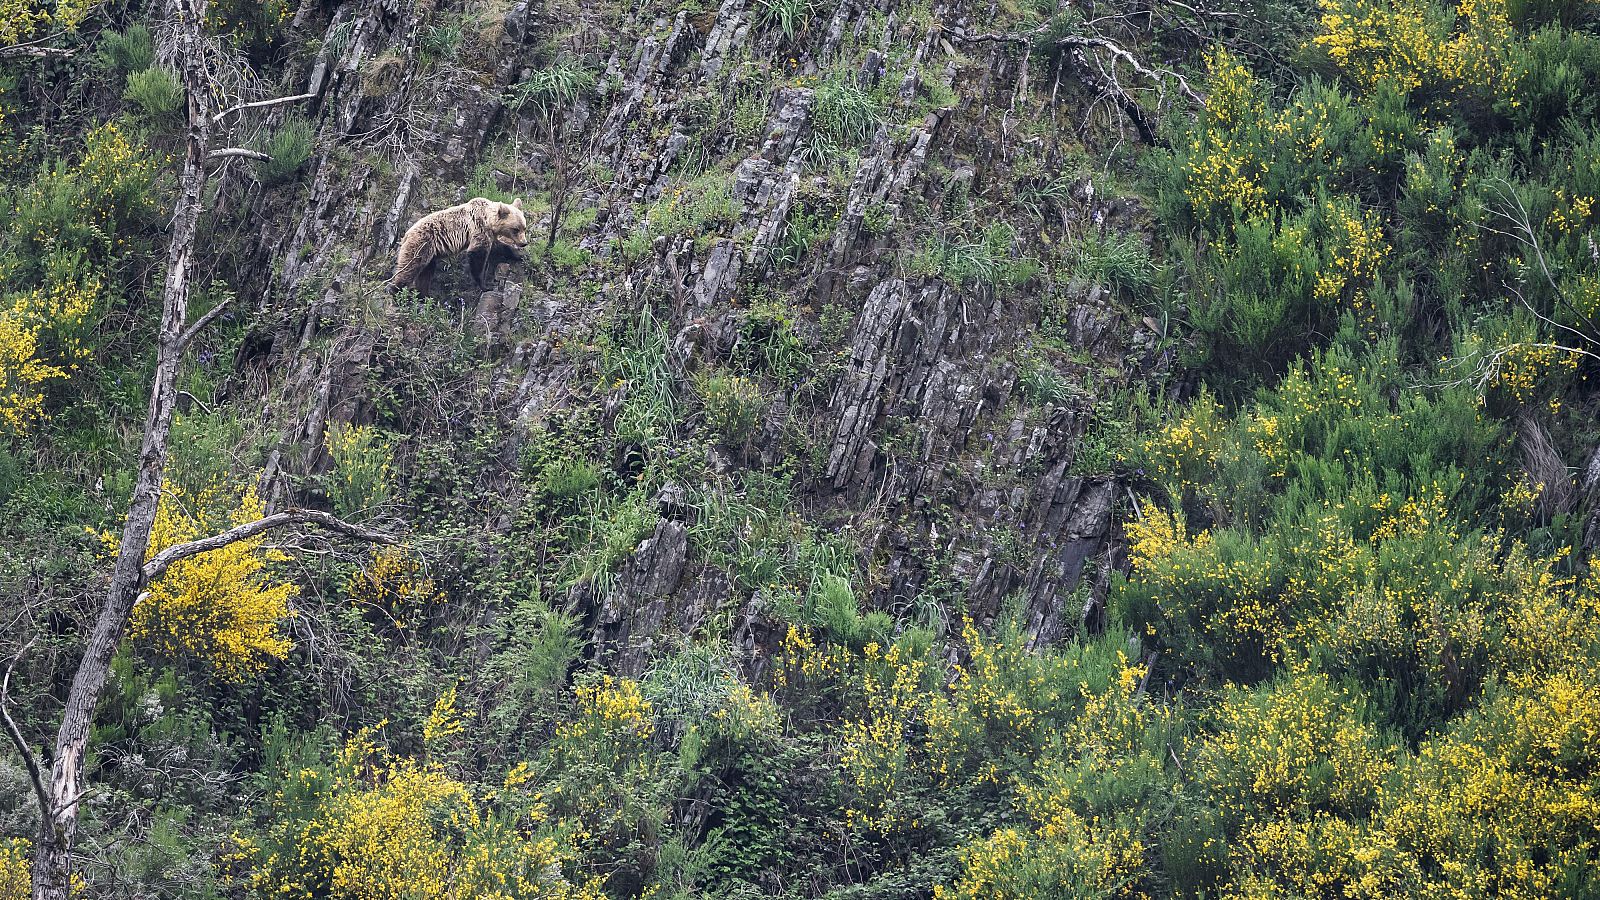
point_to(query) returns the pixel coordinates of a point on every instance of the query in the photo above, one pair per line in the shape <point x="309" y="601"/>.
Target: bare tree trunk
<point x="59" y="800"/>
<point x="52" y="866"/>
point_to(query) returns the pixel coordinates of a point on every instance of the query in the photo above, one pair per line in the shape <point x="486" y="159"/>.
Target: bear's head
<point x="510" y="225"/>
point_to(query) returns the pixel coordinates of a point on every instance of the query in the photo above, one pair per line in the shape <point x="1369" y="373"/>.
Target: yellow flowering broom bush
<point x="222" y="607"/>
<point x="373" y="826"/>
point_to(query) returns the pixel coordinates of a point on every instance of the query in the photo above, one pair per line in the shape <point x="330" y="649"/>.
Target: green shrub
<point x="635" y="358"/>
<point x="441" y="39"/>
<point x="555" y="87"/>
<point x="289" y="147"/>
<point x="1041" y="382"/>
<point x="1116" y="258"/>
<point x="569" y="479"/>
<point x="844" y="113"/>
<point x="788" y="16"/>
<point x="157" y="94"/>
<point x="991" y="260"/>
<point x="360" y="479"/>
<point x="130" y="51"/>
<point x="733" y="406"/>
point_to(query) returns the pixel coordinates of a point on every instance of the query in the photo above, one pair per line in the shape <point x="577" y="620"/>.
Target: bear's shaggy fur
<point x="475" y="227"/>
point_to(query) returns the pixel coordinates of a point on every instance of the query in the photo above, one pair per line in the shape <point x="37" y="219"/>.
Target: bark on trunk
<point x="52" y="867"/>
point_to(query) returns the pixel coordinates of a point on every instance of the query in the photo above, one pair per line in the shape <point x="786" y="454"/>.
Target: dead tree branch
<point x="237" y="151"/>
<point x="1159" y="76"/>
<point x="1082" y="50"/>
<point x="35" y="774"/>
<point x="260" y="104"/>
<point x="158" y="564"/>
<point x="21" y="52"/>
<point x="201" y="323"/>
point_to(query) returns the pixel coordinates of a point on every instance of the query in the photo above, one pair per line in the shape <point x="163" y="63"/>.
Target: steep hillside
<point x="960" y="450"/>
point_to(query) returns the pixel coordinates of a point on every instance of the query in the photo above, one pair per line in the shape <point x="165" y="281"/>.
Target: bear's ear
<point x="503" y="211"/>
<point x="517" y="203"/>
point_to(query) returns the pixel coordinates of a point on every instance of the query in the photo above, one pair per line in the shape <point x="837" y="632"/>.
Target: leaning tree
<point x="58" y="783"/>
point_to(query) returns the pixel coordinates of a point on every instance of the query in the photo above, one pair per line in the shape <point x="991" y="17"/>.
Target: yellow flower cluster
<point x="394" y="583"/>
<point x="1522" y="369"/>
<point x="444" y="720"/>
<point x="874" y="752"/>
<point x="21" y="20"/>
<point x="610" y="707"/>
<point x="1399" y="43"/>
<point x="1298" y="743"/>
<point x="1505" y="804"/>
<point x="362" y="462"/>
<point x="15" y="883"/>
<point x="1377" y="41"/>
<point x="220" y="606"/>
<point x="746" y="712"/>
<point x="1570" y="212"/>
<point x="405" y="831"/>
<point x="30" y="322"/>
<point x="801" y="658"/>
<point x="1358" y="248"/>
<point x="109" y="184"/>
<point x="1157" y="536"/>
<point x="1235" y="97"/>
<point x="1082" y="859"/>
<point x="1184" y="453"/>
<point x="1224" y="175"/>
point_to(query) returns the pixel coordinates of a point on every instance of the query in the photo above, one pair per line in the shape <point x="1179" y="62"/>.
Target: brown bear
<point x="476" y="227"/>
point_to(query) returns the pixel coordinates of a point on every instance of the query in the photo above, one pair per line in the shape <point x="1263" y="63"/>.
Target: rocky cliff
<point x="866" y="217"/>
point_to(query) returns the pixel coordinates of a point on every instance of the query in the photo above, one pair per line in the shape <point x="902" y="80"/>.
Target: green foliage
<point x="789" y="17"/>
<point x="702" y="209"/>
<point x="130" y="52"/>
<point x="441" y="39"/>
<point x="1350" y="649"/>
<point x="1116" y="258"/>
<point x="157" y="93"/>
<point x="992" y="259"/>
<point x="733" y="406"/>
<point x="552" y="88"/>
<point x="635" y="360"/>
<point x="569" y="479"/>
<point x="845" y="114"/>
<point x="1041" y="382"/>
<point x="289" y="146"/>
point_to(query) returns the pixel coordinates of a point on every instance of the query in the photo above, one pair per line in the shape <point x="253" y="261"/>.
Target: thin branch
<point x="158" y="564"/>
<point x="21" y="743"/>
<point x="1529" y="238"/>
<point x="203" y="321"/>
<point x="1156" y="75"/>
<point x="1095" y="42"/>
<point x="259" y="104"/>
<point x="1486" y="370"/>
<point x="237" y="151"/>
<point x="81" y="795"/>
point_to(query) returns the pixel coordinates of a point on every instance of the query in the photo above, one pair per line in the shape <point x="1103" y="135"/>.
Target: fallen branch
<point x="157" y="565"/>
